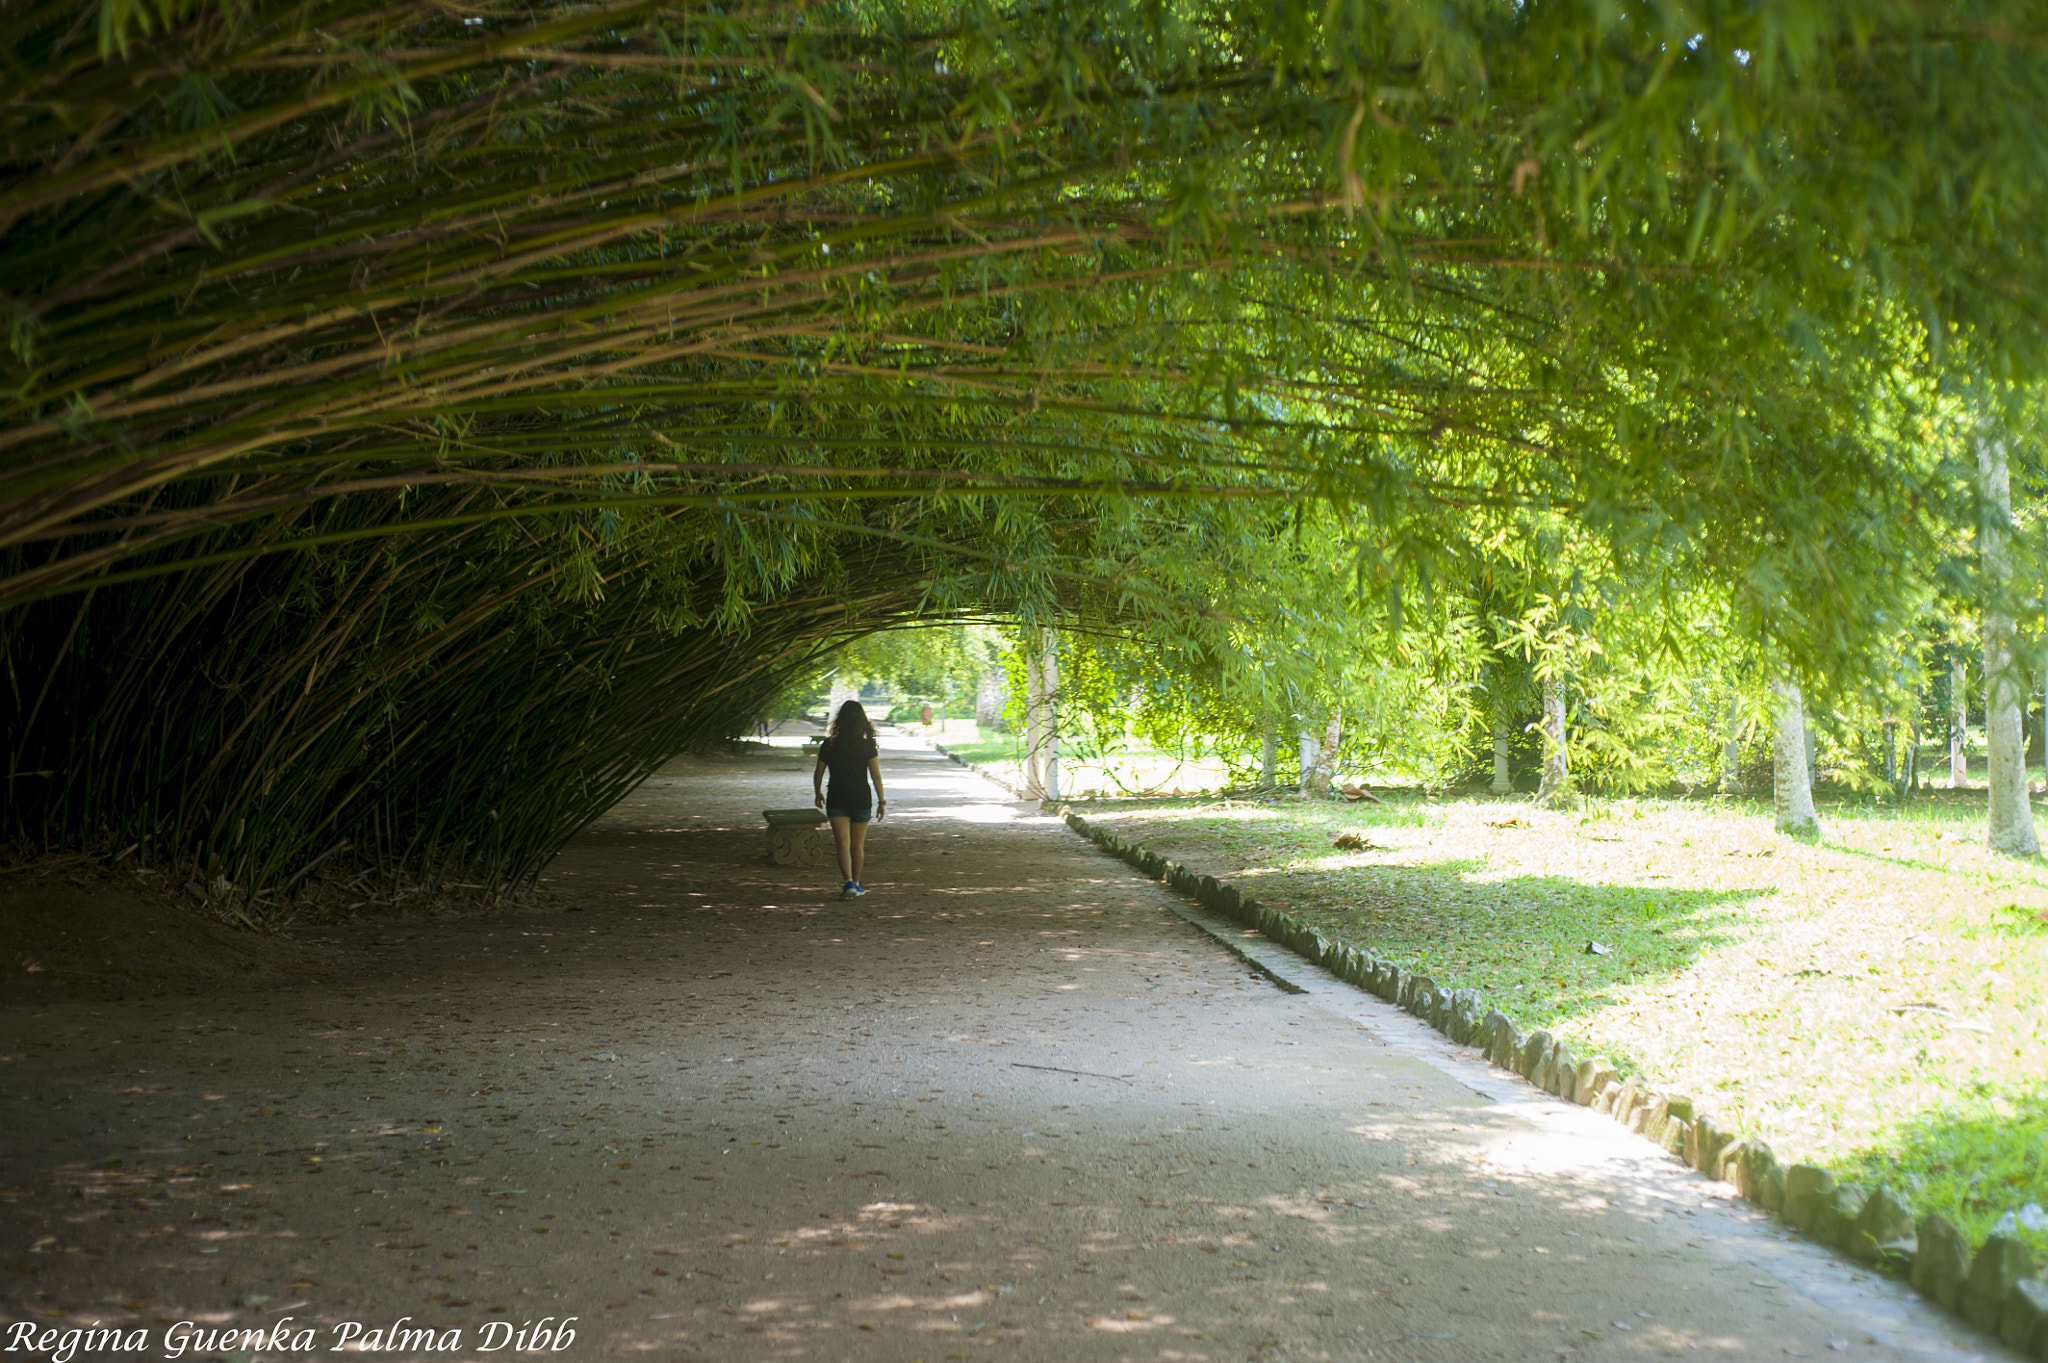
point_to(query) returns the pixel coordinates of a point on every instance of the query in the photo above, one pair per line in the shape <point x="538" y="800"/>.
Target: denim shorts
<point x="860" y="815"/>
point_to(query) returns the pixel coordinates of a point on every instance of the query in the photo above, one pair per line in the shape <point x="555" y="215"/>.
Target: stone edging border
<point x="975" y="767"/>
<point x="1996" y="1289"/>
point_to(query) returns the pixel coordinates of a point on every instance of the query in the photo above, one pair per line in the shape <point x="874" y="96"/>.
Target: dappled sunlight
<point x="1531" y="1159"/>
<point x="1343" y="862"/>
<point x="1237" y="810"/>
<point x="981" y="1297"/>
<point x="953" y="813"/>
<point x="1995" y="1133"/>
<point x="1173" y="1161"/>
<point x="1232" y="811"/>
<point x="1831" y="995"/>
<point x="1130" y="1322"/>
<point x="1002" y="893"/>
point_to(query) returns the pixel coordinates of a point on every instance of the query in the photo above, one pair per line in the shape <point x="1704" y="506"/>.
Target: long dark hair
<point x="851" y="722"/>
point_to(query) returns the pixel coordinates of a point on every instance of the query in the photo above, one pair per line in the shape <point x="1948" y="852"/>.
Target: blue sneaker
<point x="849" y="890"/>
<point x="858" y="888"/>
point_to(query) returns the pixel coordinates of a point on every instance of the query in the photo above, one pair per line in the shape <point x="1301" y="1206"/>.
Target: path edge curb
<point x="977" y="768"/>
<point x="1996" y="1288"/>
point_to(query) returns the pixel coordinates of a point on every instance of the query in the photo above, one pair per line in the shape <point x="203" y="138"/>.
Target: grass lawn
<point x="1135" y="769"/>
<point x="1873" y="1002"/>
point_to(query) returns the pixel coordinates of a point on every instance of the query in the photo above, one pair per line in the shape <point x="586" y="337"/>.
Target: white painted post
<point x="1958" y="722"/>
<point x="1556" y="786"/>
<point x="2010" y="825"/>
<point x="1503" y="783"/>
<point x="1731" y="752"/>
<point x="1791" y="779"/>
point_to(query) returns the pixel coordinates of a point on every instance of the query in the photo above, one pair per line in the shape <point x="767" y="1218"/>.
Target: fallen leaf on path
<point x="1509" y="822"/>
<point x="1352" y="842"/>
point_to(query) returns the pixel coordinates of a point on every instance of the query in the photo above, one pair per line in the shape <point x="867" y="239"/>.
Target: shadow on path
<point x="1007" y="1106"/>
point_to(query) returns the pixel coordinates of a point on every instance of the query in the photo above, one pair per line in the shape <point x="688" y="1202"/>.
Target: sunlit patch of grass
<point x="1876" y="1000"/>
<point x="1138" y="768"/>
<point x="1972" y="1162"/>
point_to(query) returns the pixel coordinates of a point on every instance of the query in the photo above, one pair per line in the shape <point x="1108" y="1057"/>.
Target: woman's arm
<point x="875" y="775"/>
<point x="818" y="784"/>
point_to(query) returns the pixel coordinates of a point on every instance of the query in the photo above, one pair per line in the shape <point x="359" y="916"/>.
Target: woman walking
<point x="852" y="756"/>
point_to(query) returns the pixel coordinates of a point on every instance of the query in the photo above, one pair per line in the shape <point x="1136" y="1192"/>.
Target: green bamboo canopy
<point x="414" y="407"/>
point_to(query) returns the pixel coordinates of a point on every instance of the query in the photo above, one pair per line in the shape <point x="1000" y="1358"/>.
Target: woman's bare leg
<point x="859" y="834"/>
<point x="840" y="838"/>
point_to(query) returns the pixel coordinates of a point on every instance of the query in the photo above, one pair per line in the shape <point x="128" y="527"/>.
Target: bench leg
<point x="792" y="845"/>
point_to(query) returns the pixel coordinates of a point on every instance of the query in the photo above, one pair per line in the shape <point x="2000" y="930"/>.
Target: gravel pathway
<point x="1009" y="1106"/>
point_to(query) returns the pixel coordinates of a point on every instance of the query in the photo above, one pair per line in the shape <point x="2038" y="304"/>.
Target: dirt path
<point x="1006" y="1107"/>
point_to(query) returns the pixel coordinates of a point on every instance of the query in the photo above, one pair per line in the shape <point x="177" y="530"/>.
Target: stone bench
<point x="795" y="839"/>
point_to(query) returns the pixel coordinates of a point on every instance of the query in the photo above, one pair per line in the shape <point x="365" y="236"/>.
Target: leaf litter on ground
<point x="1353" y="842"/>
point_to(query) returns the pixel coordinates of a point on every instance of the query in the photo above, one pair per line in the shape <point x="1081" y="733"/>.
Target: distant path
<point x="1006" y="1107"/>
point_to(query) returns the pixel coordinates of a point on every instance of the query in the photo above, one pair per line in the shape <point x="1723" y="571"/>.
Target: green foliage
<point x="1261" y="331"/>
<point x="407" y="715"/>
<point x="939" y="664"/>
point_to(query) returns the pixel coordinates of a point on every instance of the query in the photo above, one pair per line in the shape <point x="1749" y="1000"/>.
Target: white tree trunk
<point x="1034" y="731"/>
<point x="991" y="693"/>
<point x="1731" y="752"/>
<point x="1319" y="756"/>
<point x="1556" y="786"/>
<point x="1958" y="724"/>
<point x="1041" y="719"/>
<point x="1503" y="783"/>
<point x="1269" y="757"/>
<point x="1791" y="780"/>
<point x="2011" y="818"/>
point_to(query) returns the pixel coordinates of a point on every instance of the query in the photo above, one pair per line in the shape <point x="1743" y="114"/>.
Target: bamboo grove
<point x="422" y="418"/>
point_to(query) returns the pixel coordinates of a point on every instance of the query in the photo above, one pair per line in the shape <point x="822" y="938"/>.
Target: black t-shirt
<point x="846" y="759"/>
